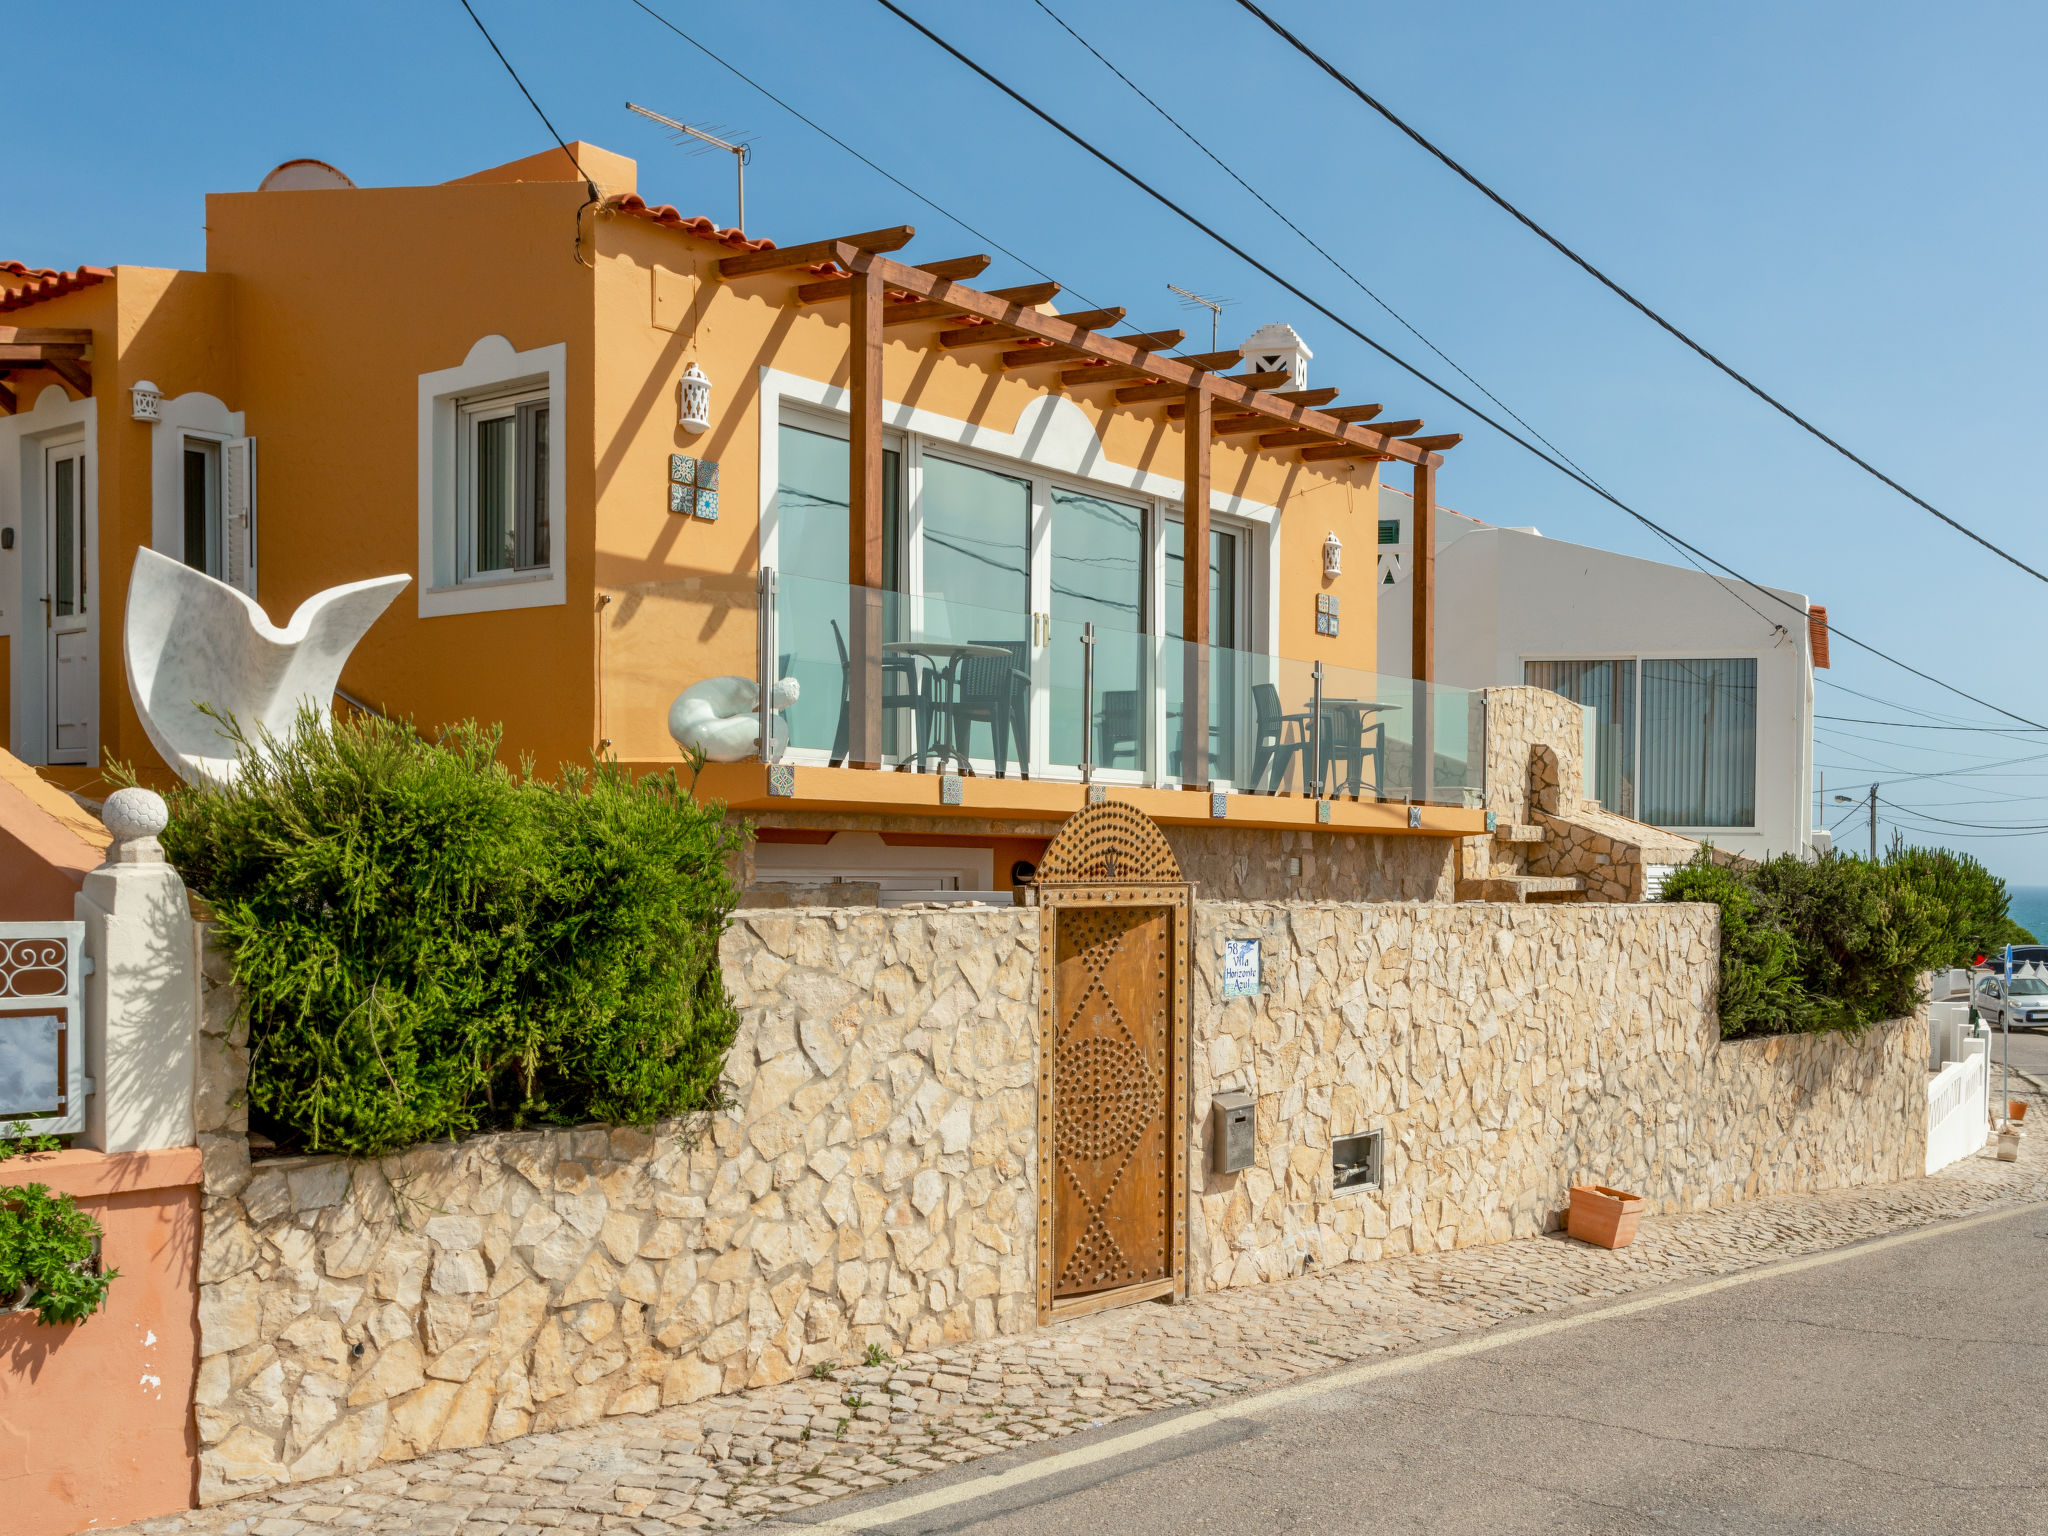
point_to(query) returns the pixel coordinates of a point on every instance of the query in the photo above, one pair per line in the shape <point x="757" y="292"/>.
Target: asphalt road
<point x="1891" y="1387"/>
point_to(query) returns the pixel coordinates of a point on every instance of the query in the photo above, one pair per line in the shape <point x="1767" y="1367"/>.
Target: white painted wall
<point x="1506" y="596"/>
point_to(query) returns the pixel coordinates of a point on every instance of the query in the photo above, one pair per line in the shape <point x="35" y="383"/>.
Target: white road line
<point x="1355" y="1375"/>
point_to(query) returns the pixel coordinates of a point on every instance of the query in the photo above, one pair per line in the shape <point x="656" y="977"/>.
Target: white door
<point x="67" y="618"/>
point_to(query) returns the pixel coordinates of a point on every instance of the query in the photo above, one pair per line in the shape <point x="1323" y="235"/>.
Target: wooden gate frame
<point x="1111" y="854"/>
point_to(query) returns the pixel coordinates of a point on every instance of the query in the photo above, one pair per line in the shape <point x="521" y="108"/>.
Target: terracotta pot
<point x="1606" y="1218"/>
<point x="2016" y="1110"/>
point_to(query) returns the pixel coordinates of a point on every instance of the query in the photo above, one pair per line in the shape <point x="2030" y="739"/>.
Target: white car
<point x="2028" y="1002"/>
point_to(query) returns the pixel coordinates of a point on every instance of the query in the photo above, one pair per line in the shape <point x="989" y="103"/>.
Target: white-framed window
<point x="996" y="548"/>
<point x="491" y="481"/>
<point x="502" y="486"/>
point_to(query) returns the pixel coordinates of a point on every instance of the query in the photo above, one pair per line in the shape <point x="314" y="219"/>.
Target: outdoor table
<point x="1364" y="708"/>
<point x="944" y="658"/>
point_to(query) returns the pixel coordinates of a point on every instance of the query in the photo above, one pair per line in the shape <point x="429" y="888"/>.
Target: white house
<point x="1698" y="690"/>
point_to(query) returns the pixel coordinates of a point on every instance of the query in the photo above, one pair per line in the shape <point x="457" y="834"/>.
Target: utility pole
<point x="1873" y="823"/>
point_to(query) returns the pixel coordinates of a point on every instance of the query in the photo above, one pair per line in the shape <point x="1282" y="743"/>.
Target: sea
<point x="2030" y="909"/>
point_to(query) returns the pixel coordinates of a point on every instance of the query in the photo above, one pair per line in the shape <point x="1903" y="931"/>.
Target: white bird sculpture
<point x="191" y="640"/>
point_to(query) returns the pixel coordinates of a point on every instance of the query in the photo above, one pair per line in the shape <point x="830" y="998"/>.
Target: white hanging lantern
<point x="145" y="401"/>
<point x="696" y="395"/>
<point x="1333" y="555"/>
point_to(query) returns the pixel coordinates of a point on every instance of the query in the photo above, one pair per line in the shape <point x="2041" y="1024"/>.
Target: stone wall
<point x="874" y="1182"/>
<point x="1248" y="864"/>
<point x="875" y="1179"/>
<point x="1506" y="1053"/>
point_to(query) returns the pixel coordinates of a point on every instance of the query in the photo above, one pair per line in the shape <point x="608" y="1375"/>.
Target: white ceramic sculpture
<point x="191" y="640"/>
<point x="721" y="717"/>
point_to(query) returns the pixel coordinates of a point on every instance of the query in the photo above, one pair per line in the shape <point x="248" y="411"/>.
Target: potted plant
<point x="1606" y="1218"/>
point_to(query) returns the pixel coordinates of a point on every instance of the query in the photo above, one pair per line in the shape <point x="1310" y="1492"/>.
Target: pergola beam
<point x="1109" y="349"/>
<point x="45" y="336"/>
<point x="842" y="287"/>
<point x="847" y="250"/>
<point x="1144" y="392"/>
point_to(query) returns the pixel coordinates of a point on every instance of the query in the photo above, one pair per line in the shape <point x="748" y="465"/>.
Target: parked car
<point x="2028" y="1002"/>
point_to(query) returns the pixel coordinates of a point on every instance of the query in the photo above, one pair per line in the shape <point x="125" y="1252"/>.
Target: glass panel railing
<point x="658" y="638"/>
<point x="967" y="688"/>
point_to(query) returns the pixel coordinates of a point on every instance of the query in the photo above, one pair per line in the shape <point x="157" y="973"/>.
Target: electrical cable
<point x="1983" y="826"/>
<point x="1612" y="286"/>
<point x="588" y="184"/>
<point x="1914" y="725"/>
<point x="1360" y="284"/>
<point x="1406" y="366"/>
<point x="819" y="128"/>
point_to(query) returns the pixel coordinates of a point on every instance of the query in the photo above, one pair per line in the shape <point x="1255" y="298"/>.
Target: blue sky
<point x="1845" y="200"/>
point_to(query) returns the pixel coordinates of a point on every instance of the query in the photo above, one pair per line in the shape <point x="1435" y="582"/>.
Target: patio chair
<point x="913" y="692"/>
<point x="1119" y="732"/>
<point x="1348" y="740"/>
<point x="996" y="691"/>
<point x="1273" y="755"/>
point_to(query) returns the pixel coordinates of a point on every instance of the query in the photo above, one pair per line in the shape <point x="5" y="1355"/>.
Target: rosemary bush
<point x="430" y="944"/>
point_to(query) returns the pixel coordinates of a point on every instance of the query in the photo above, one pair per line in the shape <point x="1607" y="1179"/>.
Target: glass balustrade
<point x="958" y="687"/>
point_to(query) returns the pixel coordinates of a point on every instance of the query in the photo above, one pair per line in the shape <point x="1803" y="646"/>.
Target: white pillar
<point x="142" y="998"/>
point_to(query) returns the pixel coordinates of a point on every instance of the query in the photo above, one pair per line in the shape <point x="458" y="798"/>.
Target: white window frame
<point x="472" y="412"/>
<point x="1054" y="444"/>
<point x="493" y="376"/>
<point x="214" y="557"/>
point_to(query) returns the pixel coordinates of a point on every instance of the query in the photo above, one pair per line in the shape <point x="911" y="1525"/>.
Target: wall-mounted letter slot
<point x="1233" y="1138"/>
<point x="1355" y="1161"/>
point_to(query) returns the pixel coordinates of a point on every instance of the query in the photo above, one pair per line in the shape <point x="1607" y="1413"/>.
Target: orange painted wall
<point x="683" y="590"/>
<point x="96" y="1424"/>
<point x="342" y="300"/>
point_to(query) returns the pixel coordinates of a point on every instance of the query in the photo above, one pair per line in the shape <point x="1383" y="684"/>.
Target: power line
<point x="819" y="128"/>
<point x="1913" y="725"/>
<point x="1400" y="362"/>
<point x="590" y="185"/>
<point x="1612" y="286"/>
<point x="1360" y="284"/>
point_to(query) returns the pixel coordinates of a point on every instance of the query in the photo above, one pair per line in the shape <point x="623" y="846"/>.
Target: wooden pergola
<point x="1243" y="409"/>
<point x="65" y="351"/>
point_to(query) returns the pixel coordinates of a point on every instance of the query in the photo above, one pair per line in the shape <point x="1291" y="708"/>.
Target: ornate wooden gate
<point x="1112" y="1080"/>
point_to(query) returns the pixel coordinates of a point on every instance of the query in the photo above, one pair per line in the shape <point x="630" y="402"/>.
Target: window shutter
<point x="238" y="471"/>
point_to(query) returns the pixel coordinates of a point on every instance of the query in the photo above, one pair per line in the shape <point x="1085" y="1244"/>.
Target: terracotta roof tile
<point x="45" y="283"/>
<point x="631" y="203"/>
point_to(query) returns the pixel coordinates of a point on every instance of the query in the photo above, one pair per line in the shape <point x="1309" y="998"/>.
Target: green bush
<point x="1837" y="942"/>
<point x="1977" y="905"/>
<point x="47" y="1249"/>
<point x="430" y="945"/>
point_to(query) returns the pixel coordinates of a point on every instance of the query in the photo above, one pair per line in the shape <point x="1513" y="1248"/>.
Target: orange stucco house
<point x="622" y="452"/>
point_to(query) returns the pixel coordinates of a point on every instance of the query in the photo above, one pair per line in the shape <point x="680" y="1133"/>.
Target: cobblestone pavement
<point x="732" y="1460"/>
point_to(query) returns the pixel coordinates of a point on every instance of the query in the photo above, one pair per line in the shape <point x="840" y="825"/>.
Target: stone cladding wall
<point x="1505" y="1053"/>
<point x="873" y="1183"/>
<point x="1250" y="864"/>
<point x="875" y="1178"/>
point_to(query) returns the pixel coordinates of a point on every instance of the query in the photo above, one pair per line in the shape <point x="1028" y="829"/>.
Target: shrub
<point x="47" y="1252"/>
<point x="430" y="944"/>
<point x="1837" y="942"/>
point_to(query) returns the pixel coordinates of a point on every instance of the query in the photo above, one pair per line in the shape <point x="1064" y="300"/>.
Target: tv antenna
<point x="740" y="150"/>
<point x="1192" y="300"/>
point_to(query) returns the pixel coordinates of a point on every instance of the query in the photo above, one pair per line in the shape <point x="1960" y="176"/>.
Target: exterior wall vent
<point x="1355" y="1162"/>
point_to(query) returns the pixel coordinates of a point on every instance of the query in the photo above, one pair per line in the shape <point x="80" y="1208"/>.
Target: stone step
<point x="1522" y="888"/>
<point x="1517" y="832"/>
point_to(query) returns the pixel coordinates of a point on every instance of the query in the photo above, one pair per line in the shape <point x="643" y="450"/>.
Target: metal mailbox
<point x="1233" y="1137"/>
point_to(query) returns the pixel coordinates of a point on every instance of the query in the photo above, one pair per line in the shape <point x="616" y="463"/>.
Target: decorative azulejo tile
<point x="707" y="504"/>
<point x="707" y="474"/>
<point x="682" y="469"/>
<point x="1097" y="793"/>
<point x="683" y="499"/>
<point x="782" y="780"/>
<point x="952" y="789"/>
<point x="1415" y="817"/>
<point x="1322" y="810"/>
<point x="1219" y="803"/>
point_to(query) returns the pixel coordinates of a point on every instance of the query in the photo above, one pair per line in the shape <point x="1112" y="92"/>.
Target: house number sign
<point x="1240" y="967"/>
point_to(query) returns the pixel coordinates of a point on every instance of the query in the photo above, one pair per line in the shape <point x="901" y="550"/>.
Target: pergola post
<point x="864" y="522"/>
<point x="1422" y="645"/>
<point x="1194" y="592"/>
